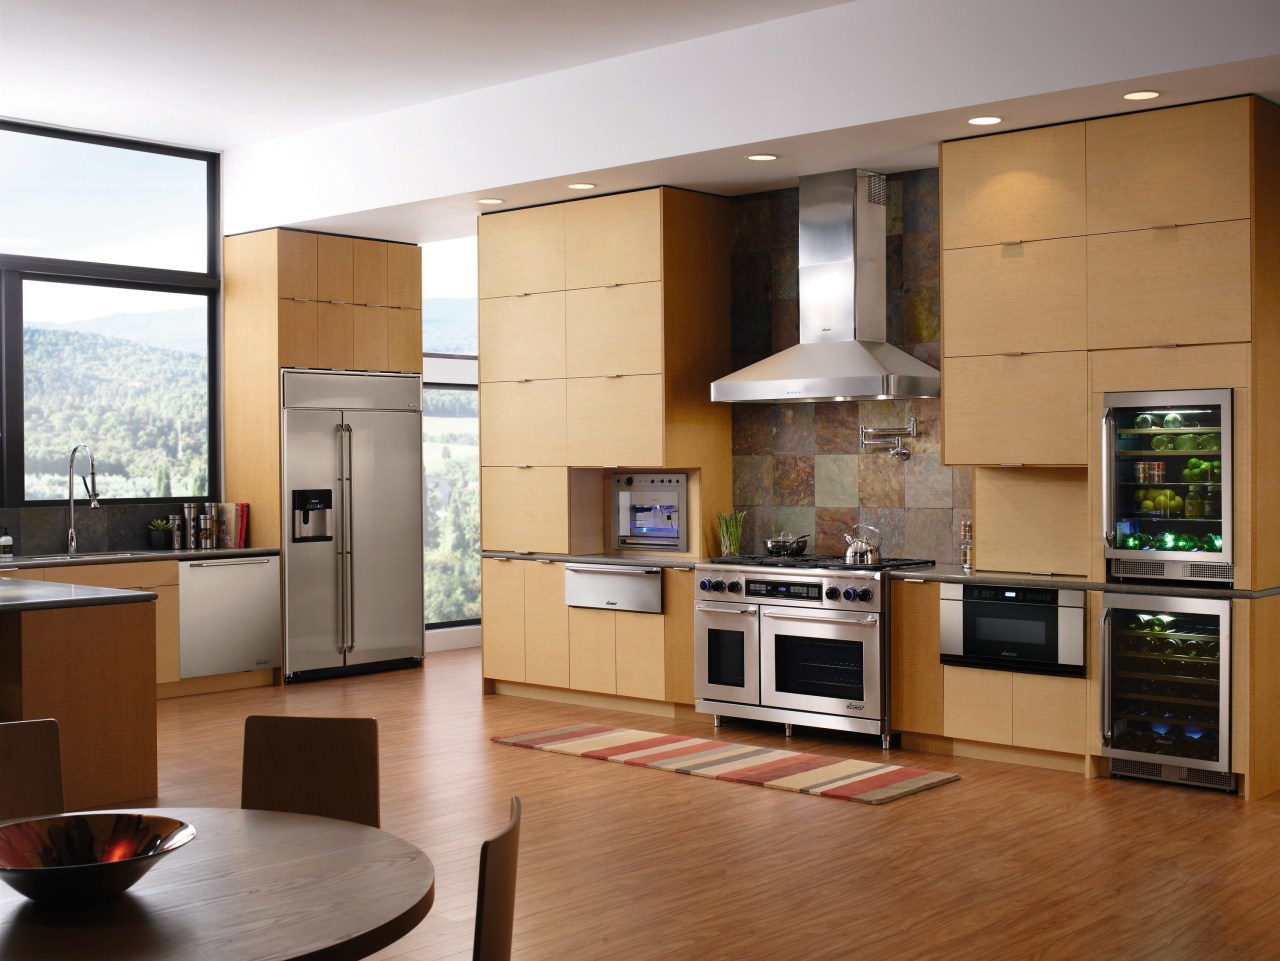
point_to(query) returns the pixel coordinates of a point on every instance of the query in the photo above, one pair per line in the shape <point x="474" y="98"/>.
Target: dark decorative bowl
<point x="76" y="858"/>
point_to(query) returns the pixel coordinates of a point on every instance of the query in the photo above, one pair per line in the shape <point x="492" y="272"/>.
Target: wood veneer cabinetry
<point x="915" y="672"/>
<point x="1022" y="710"/>
<point x="525" y="625"/>
<point x="300" y="299"/>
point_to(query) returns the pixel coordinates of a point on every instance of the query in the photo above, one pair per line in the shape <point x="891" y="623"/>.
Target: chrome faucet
<point x="90" y="489"/>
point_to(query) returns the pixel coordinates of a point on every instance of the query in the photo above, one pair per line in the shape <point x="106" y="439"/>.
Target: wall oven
<point x="1033" y="629"/>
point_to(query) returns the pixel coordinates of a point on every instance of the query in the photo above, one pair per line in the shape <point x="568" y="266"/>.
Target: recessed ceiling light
<point x="582" y="186"/>
<point x="762" y="156"/>
<point x="1142" y="95"/>
<point x="984" y="121"/>
<point x="490" y="200"/>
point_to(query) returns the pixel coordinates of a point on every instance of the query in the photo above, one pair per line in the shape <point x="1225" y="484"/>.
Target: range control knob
<point x="833" y="593"/>
<point x="735" y="587"/>
<point x="717" y="586"/>
<point x="850" y="594"/>
<point x="704" y="584"/>
<point x="865" y="595"/>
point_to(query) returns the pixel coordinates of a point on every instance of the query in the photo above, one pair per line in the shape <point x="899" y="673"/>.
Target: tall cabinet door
<point x="386" y="534"/>
<point x="313" y="638"/>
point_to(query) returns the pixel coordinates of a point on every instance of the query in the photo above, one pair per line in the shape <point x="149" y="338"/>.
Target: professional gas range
<point x="797" y="640"/>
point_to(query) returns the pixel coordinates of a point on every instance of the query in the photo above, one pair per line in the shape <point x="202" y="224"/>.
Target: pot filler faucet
<point x="90" y="489"/>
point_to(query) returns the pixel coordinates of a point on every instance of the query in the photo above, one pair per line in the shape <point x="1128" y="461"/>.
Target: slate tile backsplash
<point x="796" y="467"/>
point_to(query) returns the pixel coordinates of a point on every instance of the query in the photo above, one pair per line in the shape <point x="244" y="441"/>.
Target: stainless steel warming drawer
<point x="614" y="587"/>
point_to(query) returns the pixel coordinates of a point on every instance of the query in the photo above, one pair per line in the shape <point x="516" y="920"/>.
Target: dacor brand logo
<point x="610" y="603"/>
<point x="856" y="707"/>
<point x="1008" y="653"/>
<point x="263" y="661"/>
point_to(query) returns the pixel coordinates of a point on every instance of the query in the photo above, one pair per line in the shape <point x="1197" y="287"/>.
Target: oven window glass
<point x="726" y="658"/>
<point x="818" y="668"/>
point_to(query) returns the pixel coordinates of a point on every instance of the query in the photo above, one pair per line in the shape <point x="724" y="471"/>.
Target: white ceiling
<point x="237" y="74"/>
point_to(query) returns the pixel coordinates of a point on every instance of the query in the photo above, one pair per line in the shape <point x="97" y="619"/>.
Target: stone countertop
<point x="23" y="595"/>
<point x="952" y="574"/>
<point x="21" y="561"/>
<point x="620" y="560"/>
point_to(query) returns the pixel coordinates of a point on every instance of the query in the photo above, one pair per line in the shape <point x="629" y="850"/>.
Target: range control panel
<point x="837" y="590"/>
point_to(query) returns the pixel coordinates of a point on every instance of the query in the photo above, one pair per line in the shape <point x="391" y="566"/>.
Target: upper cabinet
<point x="521" y="251"/>
<point x="1183" y="165"/>
<point x="1028" y="185"/>
<point x="613" y="240"/>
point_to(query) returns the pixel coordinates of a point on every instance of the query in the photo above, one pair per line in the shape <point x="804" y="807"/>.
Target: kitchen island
<point x="85" y="656"/>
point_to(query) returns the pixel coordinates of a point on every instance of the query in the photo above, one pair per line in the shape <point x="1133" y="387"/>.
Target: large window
<point x="450" y="504"/>
<point x="109" y="274"/>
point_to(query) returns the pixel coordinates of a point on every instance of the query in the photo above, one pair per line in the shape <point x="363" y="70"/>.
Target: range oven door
<point x="823" y="661"/>
<point x="726" y="665"/>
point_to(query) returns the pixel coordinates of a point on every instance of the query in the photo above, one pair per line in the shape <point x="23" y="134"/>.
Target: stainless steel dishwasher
<point x="229" y="615"/>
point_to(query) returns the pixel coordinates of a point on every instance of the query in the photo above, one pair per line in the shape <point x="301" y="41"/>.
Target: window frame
<point x="15" y="268"/>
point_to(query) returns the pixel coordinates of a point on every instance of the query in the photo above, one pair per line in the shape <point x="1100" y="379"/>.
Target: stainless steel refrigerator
<point x="351" y="521"/>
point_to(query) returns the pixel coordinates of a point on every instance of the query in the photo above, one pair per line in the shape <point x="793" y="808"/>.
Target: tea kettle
<point x="864" y="545"/>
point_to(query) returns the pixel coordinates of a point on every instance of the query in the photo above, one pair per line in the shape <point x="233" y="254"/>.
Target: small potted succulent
<point x="159" y="530"/>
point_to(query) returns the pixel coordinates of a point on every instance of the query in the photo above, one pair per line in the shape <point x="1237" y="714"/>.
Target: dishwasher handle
<point x="232" y="562"/>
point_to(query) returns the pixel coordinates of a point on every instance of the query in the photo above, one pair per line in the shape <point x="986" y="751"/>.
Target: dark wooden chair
<point x="30" y="769"/>
<point x="312" y="765"/>
<point x="496" y="899"/>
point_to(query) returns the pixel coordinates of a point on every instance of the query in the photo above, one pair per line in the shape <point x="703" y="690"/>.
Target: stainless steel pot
<point x="864" y="545"/>
<point x="786" y="545"/>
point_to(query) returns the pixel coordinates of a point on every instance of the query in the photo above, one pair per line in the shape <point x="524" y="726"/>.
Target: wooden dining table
<point x="251" y="886"/>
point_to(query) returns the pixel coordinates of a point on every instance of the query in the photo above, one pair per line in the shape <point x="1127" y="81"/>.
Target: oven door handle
<point x="1104" y="631"/>
<point x="869" y="621"/>
<point x="721" y="610"/>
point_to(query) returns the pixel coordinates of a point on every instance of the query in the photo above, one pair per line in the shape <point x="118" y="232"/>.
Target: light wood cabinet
<point x="1027" y="297"/>
<point x="546" y="625"/>
<point x="523" y="422"/>
<point x="613" y="240"/>
<point x="915" y="672"/>
<point x="523" y="338"/>
<point x="614" y="330"/>
<point x="1027" y="409"/>
<point x="1180" y="285"/>
<point x="1023" y="710"/>
<point x="677" y="608"/>
<point x="1032" y="519"/>
<point x="524" y="509"/>
<point x="639" y="655"/>
<point x="592" y="651"/>
<point x="158" y="577"/>
<point x="521" y="251"/>
<point x="290" y="300"/>
<point x="1027" y="185"/>
<point x="1183" y="165"/>
<point x="502" y="622"/>
<point x="616" y="421"/>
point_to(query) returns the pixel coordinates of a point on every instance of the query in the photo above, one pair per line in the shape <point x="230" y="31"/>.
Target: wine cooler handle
<point x="1108" y="525"/>
<point x="1104" y="630"/>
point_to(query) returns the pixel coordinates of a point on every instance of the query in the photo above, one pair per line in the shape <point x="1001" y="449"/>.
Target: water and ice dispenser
<point x="312" y="510"/>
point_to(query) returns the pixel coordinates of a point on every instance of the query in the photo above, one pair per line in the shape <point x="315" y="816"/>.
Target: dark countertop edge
<point x="951" y="574"/>
<point x="48" y="596"/>
<point x="21" y="561"/>
<point x="620" y="560"/>
<point x="942" y="573"/>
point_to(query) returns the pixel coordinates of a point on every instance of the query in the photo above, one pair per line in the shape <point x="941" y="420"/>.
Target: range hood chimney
<point x="842" y="354"/>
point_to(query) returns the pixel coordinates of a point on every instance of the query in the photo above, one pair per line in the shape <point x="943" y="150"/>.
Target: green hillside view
<point x="143" y="409"/>
<point x="450" y="325"/>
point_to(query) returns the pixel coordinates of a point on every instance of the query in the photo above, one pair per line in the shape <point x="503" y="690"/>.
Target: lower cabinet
<point x="158" y="577"/>
<point x="1024" y="710"/>
<point x="617" y="652"/>
<point x="525" y="627"/>
<point x="915" y="671"/>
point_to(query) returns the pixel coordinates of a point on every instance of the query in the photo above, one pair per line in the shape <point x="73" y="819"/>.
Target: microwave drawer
<point x="1027" y="637"/>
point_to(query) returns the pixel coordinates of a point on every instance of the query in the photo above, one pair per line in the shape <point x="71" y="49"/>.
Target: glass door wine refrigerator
<point x="1166" y="688"/>
<point x="1166" y="485"/>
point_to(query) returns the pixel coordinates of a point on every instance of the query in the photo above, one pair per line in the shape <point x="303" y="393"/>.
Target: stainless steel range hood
<point x="842" y="354"/>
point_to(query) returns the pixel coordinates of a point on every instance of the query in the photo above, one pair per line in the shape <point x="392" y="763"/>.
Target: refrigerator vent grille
<point x="1138" y="568"/>
<point x="1221" y="780"/>
<point x="1213" y="572"/>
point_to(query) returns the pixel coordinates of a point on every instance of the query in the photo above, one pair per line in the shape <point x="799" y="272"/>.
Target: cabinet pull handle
<point x="1165" y="346"/>
<point x="1014" y="353"/>
<point x="613" y="376"/>
<point x="913" y="580"/>
<point x="519" y="295"/>
<point x="613" y="285"/>
<point x="1010" y="465"/>
<point x="1010" y="243"/>
<point x="522" y="466"/>
<point x="1164" y="226"/>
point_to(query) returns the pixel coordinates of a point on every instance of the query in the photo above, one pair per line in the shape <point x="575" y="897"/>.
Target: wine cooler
<point x="1166" y="689"/>
<point x="1167" y="485"/>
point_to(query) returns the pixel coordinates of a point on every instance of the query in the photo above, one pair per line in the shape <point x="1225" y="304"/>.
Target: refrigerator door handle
<point x="1104" y="631"/>
<point x="1108" y="526"/>
<point x="348" y="554"/>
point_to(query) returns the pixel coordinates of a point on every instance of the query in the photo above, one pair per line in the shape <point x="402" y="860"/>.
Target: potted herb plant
<point x="159" y="530"/>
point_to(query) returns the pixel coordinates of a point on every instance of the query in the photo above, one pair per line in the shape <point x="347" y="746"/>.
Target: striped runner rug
<point x="867" y="781"/>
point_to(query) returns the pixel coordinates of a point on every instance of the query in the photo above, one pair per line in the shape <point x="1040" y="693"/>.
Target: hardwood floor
<point x="630" y="864"/>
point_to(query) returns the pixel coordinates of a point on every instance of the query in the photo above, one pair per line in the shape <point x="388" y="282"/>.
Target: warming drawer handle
<point x="869" y="621"/>
<point x="596" y="568"/>
<point x="721" y="610"/>
<point x="232" y="563"/>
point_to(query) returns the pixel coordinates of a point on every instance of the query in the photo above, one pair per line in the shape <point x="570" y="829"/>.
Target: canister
<point x="177" y="532"/>
<point x="1155" y="472"/>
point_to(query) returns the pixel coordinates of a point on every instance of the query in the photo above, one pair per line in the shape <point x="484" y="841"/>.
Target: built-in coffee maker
<point x="648" y="511"/>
